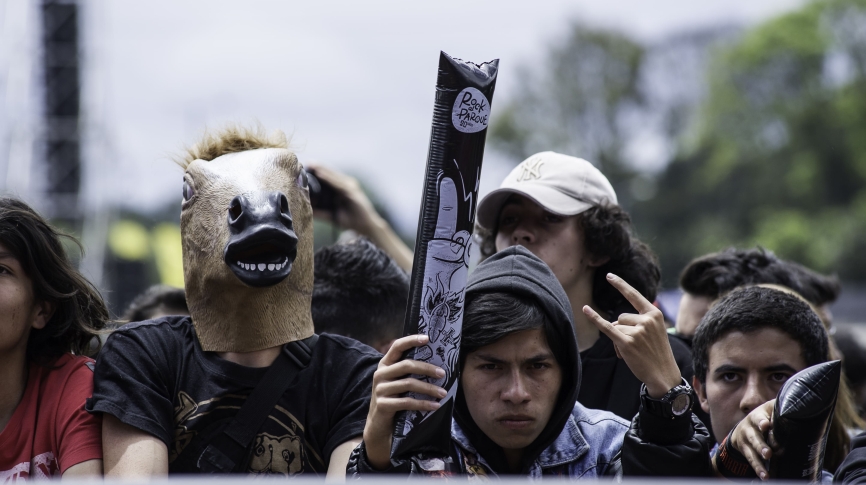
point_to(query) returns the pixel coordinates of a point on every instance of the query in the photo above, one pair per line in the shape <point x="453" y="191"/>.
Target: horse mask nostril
<point x="236" y="210"/>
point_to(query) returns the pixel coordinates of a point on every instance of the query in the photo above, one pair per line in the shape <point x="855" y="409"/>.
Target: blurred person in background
<point x="708" y="277"/>
<point x="49" y="315"/>
<point x="339" y="198"/>
<point x="156" y="301"/>
<point x="713" y="275"/>
<point x="359" y="292"/>
<point x="565" y="211"/>
<point x="854" y="363"/>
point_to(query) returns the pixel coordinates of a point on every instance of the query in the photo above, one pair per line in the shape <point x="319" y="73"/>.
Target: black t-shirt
<point x="154" y="376"/>
<point x="607" y="383"/>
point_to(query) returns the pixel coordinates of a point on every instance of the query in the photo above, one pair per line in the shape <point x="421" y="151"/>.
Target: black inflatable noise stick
<point x="461" y="113"/>
<point x="801" y="421"/>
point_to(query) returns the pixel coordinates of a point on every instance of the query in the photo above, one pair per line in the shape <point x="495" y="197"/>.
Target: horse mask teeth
<point x="248" y="250"/>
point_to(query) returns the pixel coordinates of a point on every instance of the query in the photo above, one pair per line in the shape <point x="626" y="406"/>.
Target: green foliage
<point x="781" y="157"/>
<point x="575" y="102"/>
<point x="775" y="153"/>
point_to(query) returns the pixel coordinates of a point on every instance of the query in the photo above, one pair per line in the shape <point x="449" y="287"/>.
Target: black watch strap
<point x="675" y="403"/>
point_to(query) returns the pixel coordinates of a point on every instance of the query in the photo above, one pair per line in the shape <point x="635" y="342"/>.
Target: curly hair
<point x="715" y="274"/>
<point x="80" y="312"/>
<point x="607" y="235"/>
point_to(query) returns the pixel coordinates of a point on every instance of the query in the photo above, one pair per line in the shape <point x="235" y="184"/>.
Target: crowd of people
<point x="275" y="360"/>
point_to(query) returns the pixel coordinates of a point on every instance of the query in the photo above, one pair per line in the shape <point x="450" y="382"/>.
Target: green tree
<point x="780" y="156"/>
<point x="577" y="101"/>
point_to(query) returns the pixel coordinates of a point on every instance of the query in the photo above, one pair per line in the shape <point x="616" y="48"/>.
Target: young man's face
<point x="511" y="387"/>
<point x="744" y="371"/>
<point x="556" y="240"/>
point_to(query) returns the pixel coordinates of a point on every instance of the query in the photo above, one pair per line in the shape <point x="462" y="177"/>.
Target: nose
<point x="754" y="395"/>
<point x="523" y="234"/>
<point x="261" y="208"/>
<point x="515" y="390"/>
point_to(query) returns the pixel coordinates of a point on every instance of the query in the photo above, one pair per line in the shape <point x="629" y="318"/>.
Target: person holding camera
<point x="339" y="198"/>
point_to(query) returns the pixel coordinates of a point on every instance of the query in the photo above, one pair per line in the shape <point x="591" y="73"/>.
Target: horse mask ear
<point x="247" y="231"/>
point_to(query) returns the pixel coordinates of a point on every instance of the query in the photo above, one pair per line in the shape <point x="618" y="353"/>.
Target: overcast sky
<point x="352" y="81"/>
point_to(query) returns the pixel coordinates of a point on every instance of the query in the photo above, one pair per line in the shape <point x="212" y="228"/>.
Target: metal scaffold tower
<point x="62" y="136"/>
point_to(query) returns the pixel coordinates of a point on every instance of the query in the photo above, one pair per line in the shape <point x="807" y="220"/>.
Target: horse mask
<point x="247" y="231"/>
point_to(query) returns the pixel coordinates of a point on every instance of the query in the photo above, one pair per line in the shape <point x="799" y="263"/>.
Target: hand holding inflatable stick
<point x="785" y="438"/>
<point x="439" y="272"/>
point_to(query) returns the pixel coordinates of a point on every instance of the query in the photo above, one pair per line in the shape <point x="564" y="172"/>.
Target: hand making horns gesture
<point x="641" y="340"/>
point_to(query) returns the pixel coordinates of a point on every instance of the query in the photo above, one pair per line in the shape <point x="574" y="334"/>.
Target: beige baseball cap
<point x="561" y="184"/>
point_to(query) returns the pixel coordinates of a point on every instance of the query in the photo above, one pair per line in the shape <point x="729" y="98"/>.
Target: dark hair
<point x="715" y="274"/>
<point x="155" y="299"/>
<point x="853" y="355"/>
<point x="753" y="308"/>
<point x="606" y="234"/>
<point x="359" y="292"/>
<point x="80" y="313"/>
<point x="488" y="317"/>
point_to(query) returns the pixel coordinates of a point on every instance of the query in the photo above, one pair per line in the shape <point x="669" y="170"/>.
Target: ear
<point x="702" y="394"/>
<point x="42" y="313"/>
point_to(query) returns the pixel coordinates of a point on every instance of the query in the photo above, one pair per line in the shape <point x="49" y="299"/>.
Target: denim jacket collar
<point x="569" y="446"/>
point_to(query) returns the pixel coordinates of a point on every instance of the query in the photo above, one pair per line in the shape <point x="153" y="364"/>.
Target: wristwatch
<point x="677" y="401"/>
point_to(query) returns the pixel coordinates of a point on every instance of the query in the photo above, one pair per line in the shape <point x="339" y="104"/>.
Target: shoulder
<point x="586" y="417"/>
<point x="682" y="352"/>
<point x="69" y="371"/>
<point x="342" y="349"/>
<point x="153" y="334"/>
<point x="602" y="434"/>
<point x="603" y="430"/>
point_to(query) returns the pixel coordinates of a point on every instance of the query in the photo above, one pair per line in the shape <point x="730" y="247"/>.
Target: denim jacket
<point x="588" y="447"/>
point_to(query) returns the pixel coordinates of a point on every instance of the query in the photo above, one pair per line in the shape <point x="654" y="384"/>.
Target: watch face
<point x="681" y="403"/>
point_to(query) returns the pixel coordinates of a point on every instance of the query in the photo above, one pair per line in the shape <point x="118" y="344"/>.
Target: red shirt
<point x="50" y="431"/>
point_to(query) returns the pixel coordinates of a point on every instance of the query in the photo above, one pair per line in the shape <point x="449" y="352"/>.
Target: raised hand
<point x="641" y="340"/>
<point x="748" y="437"/>
<point x="391" y="382"/>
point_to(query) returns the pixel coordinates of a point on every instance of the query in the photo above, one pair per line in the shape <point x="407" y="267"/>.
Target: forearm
<point x="382" y="235"/>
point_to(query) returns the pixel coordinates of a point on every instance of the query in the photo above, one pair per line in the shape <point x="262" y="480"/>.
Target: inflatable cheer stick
<point x="801" y="421"/>
<point x="438" y="283"/>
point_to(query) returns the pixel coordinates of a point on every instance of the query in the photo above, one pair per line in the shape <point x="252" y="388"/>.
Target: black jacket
<point x="678" y="447"/>
<point x="853" y="469"/>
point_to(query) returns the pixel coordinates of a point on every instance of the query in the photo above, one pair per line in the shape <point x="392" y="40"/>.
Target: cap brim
<point x="551" y="199"/>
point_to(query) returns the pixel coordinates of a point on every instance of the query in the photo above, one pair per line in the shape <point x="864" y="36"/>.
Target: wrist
<point x="378" y="451"/>
<point x="657" y="388"/>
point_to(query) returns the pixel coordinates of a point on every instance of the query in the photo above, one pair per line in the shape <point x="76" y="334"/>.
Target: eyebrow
<point x="7" y="255"/>
<point x="530" y="360"/>
<point x="722" y="369"/>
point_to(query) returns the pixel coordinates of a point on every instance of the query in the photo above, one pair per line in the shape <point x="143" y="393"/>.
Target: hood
<point x="517" y="271"/>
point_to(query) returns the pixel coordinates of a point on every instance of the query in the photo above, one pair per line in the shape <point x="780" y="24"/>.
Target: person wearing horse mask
<point x="176" y="392"/>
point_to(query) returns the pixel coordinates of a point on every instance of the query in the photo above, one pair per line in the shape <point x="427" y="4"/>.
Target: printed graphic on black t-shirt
<point x="279" y="447"/>
<point x="155" y="377"/>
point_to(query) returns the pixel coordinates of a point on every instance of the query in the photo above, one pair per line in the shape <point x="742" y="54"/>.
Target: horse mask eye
<point x="188" y="191"/>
